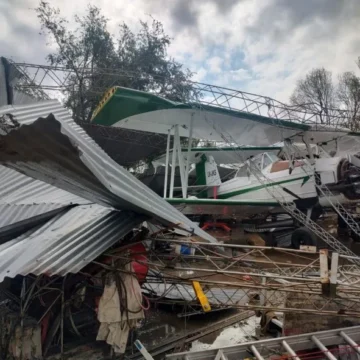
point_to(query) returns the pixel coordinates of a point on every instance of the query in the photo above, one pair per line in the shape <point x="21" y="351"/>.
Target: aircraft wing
<point x="223" y="155"/>
<point x="226" y="208"/>
<point x="137" y="110"/>
<point x="323" y="134"/>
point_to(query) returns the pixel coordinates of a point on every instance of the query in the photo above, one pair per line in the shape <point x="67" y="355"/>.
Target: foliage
<point x="97" y="60"/>
<point x="315" y="93"/>
<point x="348" y="95"/>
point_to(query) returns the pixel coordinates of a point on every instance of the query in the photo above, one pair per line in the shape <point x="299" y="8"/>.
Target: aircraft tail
<point x="207" y="172"/>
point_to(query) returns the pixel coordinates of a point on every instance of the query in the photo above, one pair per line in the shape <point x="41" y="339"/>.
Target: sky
<point x="259" y="46"/>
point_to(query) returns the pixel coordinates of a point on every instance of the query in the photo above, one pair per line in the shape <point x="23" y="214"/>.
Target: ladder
<point x="347" y="340"/>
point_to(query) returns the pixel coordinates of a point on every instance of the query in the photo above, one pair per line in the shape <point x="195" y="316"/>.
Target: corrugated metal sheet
<point x="17" y="219"/>
<point x="57" y="151"/>
<point x="13" y="213"/>
<point x="25" y="202"/>
<point x="67" y="242"/>
<point x="17" y="188"/>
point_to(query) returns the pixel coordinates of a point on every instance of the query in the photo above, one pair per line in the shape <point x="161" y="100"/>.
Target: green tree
<point x="97" y="60"/>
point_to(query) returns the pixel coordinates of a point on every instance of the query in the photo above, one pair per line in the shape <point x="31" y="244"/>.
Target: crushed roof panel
<point x="25" y="202"/>
<point x="17" y="188"/>
<point x="58" y="151"/>
<point x="66" y="243"/>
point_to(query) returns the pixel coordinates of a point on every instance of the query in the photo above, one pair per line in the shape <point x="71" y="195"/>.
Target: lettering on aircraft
<point x="211" y="173"/>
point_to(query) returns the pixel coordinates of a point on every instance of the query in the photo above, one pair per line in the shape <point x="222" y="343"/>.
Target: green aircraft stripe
<point x="120" y="103"/>
<point x="244" y="191"/>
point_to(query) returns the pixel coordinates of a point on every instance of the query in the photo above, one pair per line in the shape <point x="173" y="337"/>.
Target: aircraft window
<point x="272" y="156"/>
<point x="242" y="172"/>
<point x="257" y="160"/>
<point x="267" y="161"/>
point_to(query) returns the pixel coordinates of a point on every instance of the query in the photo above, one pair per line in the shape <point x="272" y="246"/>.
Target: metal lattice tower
<point x="255" y="278"/>
<point x="46" y="81"/>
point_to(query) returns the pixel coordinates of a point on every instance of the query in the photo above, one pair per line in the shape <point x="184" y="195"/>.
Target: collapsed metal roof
<point x="17" y="188"/>
<point x="42" y="141"/>
<point x="17" y="88"/>
<point x="66" y="243"/>
<point x="25" y="202"/>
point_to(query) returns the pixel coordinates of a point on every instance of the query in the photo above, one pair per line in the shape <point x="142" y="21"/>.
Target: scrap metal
<point x="66" y="243"/>
<point x="58" y="151"/>
<point x="285" y="346"/>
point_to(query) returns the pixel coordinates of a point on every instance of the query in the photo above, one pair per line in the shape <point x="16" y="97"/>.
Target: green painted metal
<point x="120" y="103"/>
<point x="258" y="187"/>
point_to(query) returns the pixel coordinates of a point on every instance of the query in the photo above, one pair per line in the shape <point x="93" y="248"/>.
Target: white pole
<point x="166" y="180"/>
<point x="173" y="164"/>
<point x="181" y="164"/>
<point x="334" y="268"/>
<point x="188" y="155"/>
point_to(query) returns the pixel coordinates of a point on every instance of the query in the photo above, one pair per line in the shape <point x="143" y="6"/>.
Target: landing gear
<point x="303" y="236"/>
<point x="344" y="232"/>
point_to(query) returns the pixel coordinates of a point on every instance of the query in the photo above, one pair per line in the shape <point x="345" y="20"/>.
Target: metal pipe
<point x="243" y="260"/>
<point x="289" y="349"/>
<point x="220" y="355"/>
<point x="181" y="162"/>
<point x="334" y="268"/>
<point x="323" y="348"/>
<point x="49" y="308"/>
<point x="350" y="257"/>
<point x="268" y="308"/>
<point x="256" y="352"/>
<point x="280" y="223"/>
<point x="237" y="246"/>
<point x="173" y="164"/>
<point x="263" y="292"/>
<point x="188" y="154"/>
<point x="167" y="164"/>
<point x="350" y="341"/>
<point x="267" y="275"/>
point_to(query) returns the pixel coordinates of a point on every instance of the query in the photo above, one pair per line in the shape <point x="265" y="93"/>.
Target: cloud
<point x="299" y="39"/>
<point x="19" y="36"/>
<point x="240" y="74"/>
<point x="200" y="74"/>
<point x="260" y="46"/>
<point x="215" y="64"/>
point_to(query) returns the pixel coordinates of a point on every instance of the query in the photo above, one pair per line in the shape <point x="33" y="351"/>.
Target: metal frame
<point x="177" y="159"/>
<point x="235" y="281"/>
<point x="283" y="346"/>
<point x="46" y="81"/>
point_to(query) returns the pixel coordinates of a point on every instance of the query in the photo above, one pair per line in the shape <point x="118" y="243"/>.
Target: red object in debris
<point x="139" y="263"/>
<point x="44" y="327"/>
<point x="218" y="225"/>
<point x="215" y="192"/>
